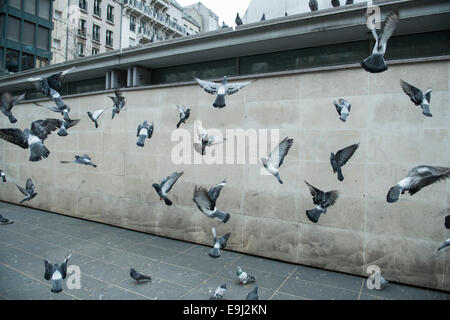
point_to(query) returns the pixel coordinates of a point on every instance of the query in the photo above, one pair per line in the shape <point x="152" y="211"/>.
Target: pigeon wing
<point x="330" y="198"/>
<point x="277" y="155"/>
<point x="14" y="135"/>
<point x="48" y="270"/>
<point x="208" y="86"/>
<point x="214" y="192"/>
<point x="42" y="128"/>
<point x="414" y="93"/>
<point x="71" y="123"/>
<point x="202" y="199"/>
<point x="342" y="156"/>
<point x="430" y="175"/>
<point x="169" y="181"/>
<point x="317" y="194"/>
<point x="55" y="80"/>
<point x="338" y="107"/>
<point x="235" y="87"/>
<point x="389" y="28"/>
<point x="22" y="190"/>
<point x="182" y="111"/>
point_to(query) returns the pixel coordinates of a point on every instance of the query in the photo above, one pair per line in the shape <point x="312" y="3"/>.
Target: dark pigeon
<point x="44" y="84"/>
<point x="253" y="295"/>
<point x="166" y="185"/>
<point x="335" y="3"/>
<point x="341" y="157"/>
<point x="144" y="131"/>
<point x="348" y="2"/>
<point x="313" y="5"/>
<point x="28" y="192"/>
<point x="322" y="200"/>
<point x="238" y="20"/>
<point x="447" y="222"/>
<point x="184" y="115"/>
<point x="56" y="273"/>
<point x="218" y="243"/>
<point x="206" y="201"/>
<point x="263" y="18"/>
<point x="138" y="277"/>
<point x="7" y="102"/>
<point x="119" y="103"/>
<point x="221" y="89"/>
<point x="4" y="221"/>
<point x="2" y="175"/>
<point x="276" y="157"/>
<point x="418" y="97"/>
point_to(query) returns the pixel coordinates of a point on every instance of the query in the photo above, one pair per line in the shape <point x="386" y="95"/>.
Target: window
<point x="57" y="43"/>
<point x="43" y="38"/>
<point x="97" y="8"/>
<point x="28" y="33"/>
<point x="12" y="60"/>
<point x="13" y="30"/>
<point x="58" y="15"/>
<point x="110" y="13"/>
<point x="133" y="23"/>
<point x="96" y="32"/>
<point x="82" y="4"/>
<point x="41" y="62"/>
<point x="94" y="51"/>
<point x="109" y="38"/>
<point x="80" y="49"/>
<point x="44" y="9"/>
<point x="82" y="28"/>
<point x="89" y="85"/>
<point x="29" y="7"/>
<point x="27" y="61"/>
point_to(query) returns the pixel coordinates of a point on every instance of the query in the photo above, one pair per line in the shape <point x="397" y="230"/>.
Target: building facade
<point x="25" y="34"/>
<point x="208" y="20"/>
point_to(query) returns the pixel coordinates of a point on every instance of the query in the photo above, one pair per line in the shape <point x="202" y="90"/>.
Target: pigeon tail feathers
<point x="339" y="174"/>
<point x="374" y="64"/>
<point x="220" y="101"/>
<point x="393" y="194"/>
<point x="313" y="215"/>
<point x="38" y="151"/>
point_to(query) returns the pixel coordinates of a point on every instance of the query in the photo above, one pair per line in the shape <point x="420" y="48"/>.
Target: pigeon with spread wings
<point x="84" y="159"/>
<point x="206" y="140"/>
<point x="221" y="89"/>
<point x="206" y="201"/>
<point x="276" y="157"/>
<point x="56" y="273"/>
<point x="218" y="243"/>
<point x="341" y="157"/>
<point x="54" y="82"/>
<point x="322" y="200"/>
<point x="418" y="97"/>
<point x="28" y="191"/>
<point x="166" y="185"/>
<point x="119" y="103"/>
<point x="7" y="102"/>
<point x="95" y="115"/>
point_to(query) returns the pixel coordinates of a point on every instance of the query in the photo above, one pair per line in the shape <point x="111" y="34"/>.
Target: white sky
<point x="225" y="9"/>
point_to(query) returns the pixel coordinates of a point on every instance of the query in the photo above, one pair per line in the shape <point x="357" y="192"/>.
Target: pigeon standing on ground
<point x="341" y="157"/>
<point x="322" y="200"/>
<point x="383" y="283"/>
<point x="417" y="178"/>
<point x="313" y="5"/>
<point x="238" y="20"/>
<point x="32" y="139"/>
<point x="7" y="102"/>
<point x="85" y="159"/>
<point x="166" y="185"/>
<point x="206" y="201"/>
<point x="144" y="131"/>
<point x="445" y="244"/>
<point x="335" y="3"/>
<point x="221" y="89"/>
<point x="343" y="108"/>
<point x="95" y="115"/>
<point x="418" y="97"/>
<point x="28" y="192"/>
<point x="263" y="18"/>
<point x="4" y="221"/>
<point x="138" y="277"/>
<point x="276" y="157"/>
<point x="218" y="243"/>
<point x="375" y="62"/>
<point x="56" y="273"/>
<point x="219" y="293"/>
<point x="184" y="115"/>
<point x="119" y="103"/>
<point x="2" y="175"/>
<point x="253" y="295"/>
<point x="244" y="277"/>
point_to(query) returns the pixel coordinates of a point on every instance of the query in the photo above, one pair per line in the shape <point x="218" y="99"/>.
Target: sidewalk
<point x="180" y="270"/>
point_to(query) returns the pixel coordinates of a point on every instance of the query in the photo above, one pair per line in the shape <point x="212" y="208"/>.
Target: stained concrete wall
<point x="267" y="219"/>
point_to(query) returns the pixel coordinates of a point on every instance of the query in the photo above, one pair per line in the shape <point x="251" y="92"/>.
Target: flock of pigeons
<point x="33" y="139"/>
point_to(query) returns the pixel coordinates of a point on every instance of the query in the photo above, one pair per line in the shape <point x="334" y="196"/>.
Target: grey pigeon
<point x="119" y="103"/>
<point x="447" y="222"/>
<point x="343" y="108"/>
<point x="219" y="293"/>
<point x="263" y="18"/>
<point x="166" y="185"/>
<point x="206" y="140"/>
<point x="4" y="221"/>
<point x="322" y="200"/>
<point x="184" y="115"/>
<point x="56" y="273"/>
<point x="253" y="295"/>
<point x="335" y="3"/>
<point x="144" y="131"/>
<point x="219" y="243"/>
<point x="221" y="89"/>
<point x="244" y="277"/>
<point x="206" y="201"/>
<point x="224" y="25"/>
<point x="60" y="106"/>
<point x="85" y="159"/>
<point x="276" y="157"/>
<point x="65" y="124"/>
<point x="417" y="178"/>
<point x="375" y="62"/>
<point x="44" y="84"/>
<point x="28" y="192"/>
<point x="341" y="157"/>
<point x="418" y="97"/>
<point x="138" y="276"/>
<point x="3" y="175"/>
<point x="445" y="244"/>
<point x="32" y="139"/>
<point x="383" y="283"/>
<point x="7" y="102"/>
<point x="95" y="115"/>
<point x="238" y="20"/>
<point x="348" y="2"/>
<point x="313" y="5"/>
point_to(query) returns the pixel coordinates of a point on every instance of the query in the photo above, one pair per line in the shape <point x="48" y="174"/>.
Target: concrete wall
<point x="267" y="218"/>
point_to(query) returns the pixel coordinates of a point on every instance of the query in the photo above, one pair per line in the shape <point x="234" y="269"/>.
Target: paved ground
<point x="180" y="270"/>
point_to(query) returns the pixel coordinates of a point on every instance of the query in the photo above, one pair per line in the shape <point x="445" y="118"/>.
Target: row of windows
<point x="97" y="9"/>
<point x="39" y="8"/>
<point x="82" y="31"/>
<point x="16" y="61"/>
<point x="32" y="35"/>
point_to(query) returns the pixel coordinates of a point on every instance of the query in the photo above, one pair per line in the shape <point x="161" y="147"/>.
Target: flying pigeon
<point x="32" y="139"/>
<point x="417" y="178"/>
<point x="244" y="277"/>
<point x="348" y="2"/>
<point x="65" y="124"/>
<point x="418" y="97"/>
<point x="445" y="244"/>
<point x="138" y="277"/>
<point x="447" y="222"/>
<point x="238" y="20"/>
<point x="263" y="18"/>
<point x="341" y="157"/>
<point x="219" y="243"/>
<point x="52" y="82"/>
<point x="119" y="103"/>
<point x="144" y="131"/>
<point x="207" y="140"/>
<point x="28" y="192"/>
<point x="206" y="201"/>
<point x="221" y="89"/>
<point x="322" y="200"/>
<point x="85" y="159"/>
<point x="184" y="115"/>
<point x="3" y="175"/>
<point x="335" y="3"/>
<point x="375" y="62"/>
<point x="7" y="102"/>
<point x="60" y="106"/>
<point x="166" y="185"/>
<point x="95" y="115"/>
<point x="313" y="5"/>
<point x="4" y="221"/>
<point x="253" y="295"/>
<point x="276" y="157"/>
<point x="219" y="293"/>
<point x="343" y="108"/>
<point x="56" y="273"/>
